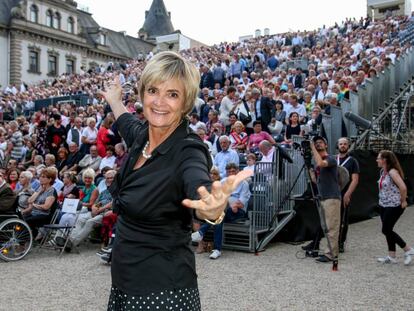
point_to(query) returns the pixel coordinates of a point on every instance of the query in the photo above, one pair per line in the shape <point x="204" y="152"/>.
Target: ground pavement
<point x="274" y="280"/>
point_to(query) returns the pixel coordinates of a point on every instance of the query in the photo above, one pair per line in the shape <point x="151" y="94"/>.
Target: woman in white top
<point x="89" y="135"/>
<point x="392" y="203"/>
<point x="109" y="159"/>
<point x="250" y="101"/>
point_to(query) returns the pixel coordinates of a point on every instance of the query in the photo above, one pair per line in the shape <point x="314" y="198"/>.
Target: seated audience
<point x="237" y="209"/>
<point x="39" y="210"/>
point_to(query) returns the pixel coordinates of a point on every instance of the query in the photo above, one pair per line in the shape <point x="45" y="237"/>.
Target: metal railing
<point x="379" y="100"/>
<point x="392" y="129"/>
<point x="273" y="206"/>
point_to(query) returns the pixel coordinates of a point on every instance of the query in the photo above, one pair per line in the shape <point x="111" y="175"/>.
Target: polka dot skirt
<point x="186" y="299"/>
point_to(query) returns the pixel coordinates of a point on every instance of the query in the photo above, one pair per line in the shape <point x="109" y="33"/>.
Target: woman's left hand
<point x="404" y="204"/>
<point x="211" y="205"/>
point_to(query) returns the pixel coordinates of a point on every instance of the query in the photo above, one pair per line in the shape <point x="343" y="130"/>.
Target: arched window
<point x="56" y="20"/>
<point x="34" y="13"/>
<point x="49" y="18"/>
<point x="71" y="25"/>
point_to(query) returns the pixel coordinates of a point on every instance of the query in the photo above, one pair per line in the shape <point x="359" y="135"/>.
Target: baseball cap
<point x="318" y="137"/>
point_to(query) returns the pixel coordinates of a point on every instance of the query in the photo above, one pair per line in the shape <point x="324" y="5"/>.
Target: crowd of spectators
<point x="251" y="98"/>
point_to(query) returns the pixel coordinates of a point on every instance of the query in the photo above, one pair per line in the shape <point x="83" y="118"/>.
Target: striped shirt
<point x="17" y="140"/>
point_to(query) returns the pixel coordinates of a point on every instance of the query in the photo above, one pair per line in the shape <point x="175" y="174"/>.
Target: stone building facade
<point x="41" y="39"/>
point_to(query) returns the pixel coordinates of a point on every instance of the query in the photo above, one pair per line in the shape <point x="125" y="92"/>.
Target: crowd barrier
<point x="79" y="100"/>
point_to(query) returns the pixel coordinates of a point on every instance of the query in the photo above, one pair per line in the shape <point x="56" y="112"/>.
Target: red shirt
<point x="102" y="140"/>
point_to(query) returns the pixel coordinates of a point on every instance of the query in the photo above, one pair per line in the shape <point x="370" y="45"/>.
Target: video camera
<point x="305" y="148"/>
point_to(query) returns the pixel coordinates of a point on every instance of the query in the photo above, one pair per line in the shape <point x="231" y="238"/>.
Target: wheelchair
<point x="16" y="238"/>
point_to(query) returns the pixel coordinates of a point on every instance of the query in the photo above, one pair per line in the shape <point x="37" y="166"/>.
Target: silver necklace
<point x="144" y="151"/>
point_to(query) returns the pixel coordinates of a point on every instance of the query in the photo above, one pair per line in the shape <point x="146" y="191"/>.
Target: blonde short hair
<point x="51" y="157"/>
<point x="89" y="120"/>
<point x="88" y="173"/>
<point x="238" y="123"/>
<point x="170" y="65"/>
<point x="28" y="175"/>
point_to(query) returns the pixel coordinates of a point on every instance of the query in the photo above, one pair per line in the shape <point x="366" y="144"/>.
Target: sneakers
<point x="215" y="254"/>
<point x="107" y="249"/>
<point x="104" y="257"/>
<point x="410" y="252"/>
<point x="407" y="256"/>
<point x="387" y="259"/>
<point x="196" y="236"/>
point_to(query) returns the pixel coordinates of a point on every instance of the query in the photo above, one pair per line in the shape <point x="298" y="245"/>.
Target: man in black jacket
<point x="264" y="108"/>
<point x="297" y="78"/>
<point x="207" y="78"/>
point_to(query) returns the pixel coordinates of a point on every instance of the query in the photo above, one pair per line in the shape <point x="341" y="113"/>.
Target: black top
<point x="56" y="135"/>
<point x="327" y="180"/>
<point x="73" y="158"/>
<point x="151" y="252"/>
<point x="290" y="130"/>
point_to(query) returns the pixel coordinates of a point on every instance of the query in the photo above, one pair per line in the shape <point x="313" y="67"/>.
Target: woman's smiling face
<point x="164" y="104"/>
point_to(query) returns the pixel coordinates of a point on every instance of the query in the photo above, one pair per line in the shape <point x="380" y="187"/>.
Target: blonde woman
<point x="89" y="135"/>
<point x="88" y="192"/>
<point x="152" y="260"/>
<point x="238" y="138"/>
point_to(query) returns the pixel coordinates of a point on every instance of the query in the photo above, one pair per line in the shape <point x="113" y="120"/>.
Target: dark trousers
<point x="389" y="217"/>
<point x="344" y="223"/>
<point x="218" y="229"/>
<point x="35" y="222"/>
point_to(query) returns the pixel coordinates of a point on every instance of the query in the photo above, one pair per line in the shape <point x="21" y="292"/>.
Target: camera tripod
<point x="305" y="168"/>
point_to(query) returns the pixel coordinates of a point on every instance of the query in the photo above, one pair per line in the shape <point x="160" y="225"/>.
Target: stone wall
<point x="4" y="70"/>
<point x="44" y="50"/>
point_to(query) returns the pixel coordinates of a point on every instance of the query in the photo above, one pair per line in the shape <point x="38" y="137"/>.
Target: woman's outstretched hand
<point x="211" y="205"/>
<point x="113" y="95"/>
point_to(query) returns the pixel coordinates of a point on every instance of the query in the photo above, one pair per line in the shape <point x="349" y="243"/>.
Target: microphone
<point x="284" y="154"/>
<point x="359" y="121"/>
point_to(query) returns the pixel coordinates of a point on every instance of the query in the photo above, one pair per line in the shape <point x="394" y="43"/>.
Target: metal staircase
<point x="271" y="209"/>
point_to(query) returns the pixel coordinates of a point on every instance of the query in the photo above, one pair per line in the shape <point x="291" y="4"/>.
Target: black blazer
<point x="207" y="80"/>
<point x="267" y="110"/>
<point x="297" y="81"/>
<point x="211" y="140"/>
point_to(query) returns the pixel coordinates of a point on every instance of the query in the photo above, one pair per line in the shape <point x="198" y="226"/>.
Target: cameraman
<point x="325" y="176"/>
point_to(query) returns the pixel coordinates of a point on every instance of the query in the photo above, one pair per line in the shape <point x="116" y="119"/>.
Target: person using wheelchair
<point x="12" y="248"/>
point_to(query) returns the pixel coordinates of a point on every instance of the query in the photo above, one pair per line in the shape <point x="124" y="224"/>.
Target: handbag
<point x="245" y="119"/>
